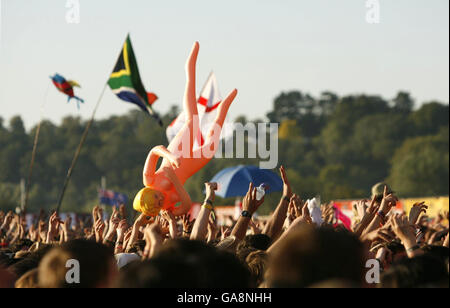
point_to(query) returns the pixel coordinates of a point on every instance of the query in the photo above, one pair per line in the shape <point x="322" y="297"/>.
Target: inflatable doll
<point x="164" y="187"/>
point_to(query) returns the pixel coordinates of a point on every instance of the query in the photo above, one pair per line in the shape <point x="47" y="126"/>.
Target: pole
<point x="33" y="154"/>
<point x="83" y="138"/>
<point x="77" y="153"/>
<point x="22" y="194"/>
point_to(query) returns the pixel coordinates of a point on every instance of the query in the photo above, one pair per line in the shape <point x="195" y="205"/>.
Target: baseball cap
<point x="378" y="189"/>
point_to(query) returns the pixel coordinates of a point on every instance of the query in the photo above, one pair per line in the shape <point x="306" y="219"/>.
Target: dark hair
<point x="256" y="241"/>
<point x="23" y="266"/>
<point x="311" y="255"/>
<point x="422" y="271"/>
<point x="21" y="244"/>
<point x="243" y="252"/>
<point x="439" y="252"/>
<point x="183" y="263"/>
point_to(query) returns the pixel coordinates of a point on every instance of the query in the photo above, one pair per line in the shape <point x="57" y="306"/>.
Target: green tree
<point x="420" y="167"/>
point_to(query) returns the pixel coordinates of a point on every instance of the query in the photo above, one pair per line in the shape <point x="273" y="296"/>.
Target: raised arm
<point x="201" y="223"/>
<point x="249" y="206"/>
<point x="388" y="202"/>
<point x="152" y="160"/>
<point x="275" y="224"/>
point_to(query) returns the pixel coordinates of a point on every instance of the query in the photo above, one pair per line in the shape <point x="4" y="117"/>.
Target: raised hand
<point x="113" y="225"/>
<point x="225" y="232"/>
<point x="53" y="227"/>
<point x="154" y="238"/>
<point x="66" y="228"/>
<point x="287" y="191"/>
<point x="255" y="226"/>
<point x="99" y="228"/>
<point x="213" y="230"/>
<point x="381" y="234"/>
<point x="187" y="225"/>
<point x="405" y="231"/>
<point x="142" y="220"/>
<point x="7" y="221"/>
<point x="416" y="210"/>
<point x="250" y="203"/>
<point x="388" y="202"/>
<point x="170" y="218"/>
<point x="121" y="229"/>
<point x="211" y="191"/>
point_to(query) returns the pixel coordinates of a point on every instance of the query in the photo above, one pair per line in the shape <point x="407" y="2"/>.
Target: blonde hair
<point x="145" y="202"/>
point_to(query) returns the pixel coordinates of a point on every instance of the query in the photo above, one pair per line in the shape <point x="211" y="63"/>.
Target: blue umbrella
<point x="234" y="181"/>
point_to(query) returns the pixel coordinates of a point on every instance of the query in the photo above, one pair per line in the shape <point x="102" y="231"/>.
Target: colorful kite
<point x="66" y="87"/>
<point x="126" y="83"/>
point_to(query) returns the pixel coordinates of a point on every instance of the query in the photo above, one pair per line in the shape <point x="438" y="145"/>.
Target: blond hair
<point x="145" y="202"/>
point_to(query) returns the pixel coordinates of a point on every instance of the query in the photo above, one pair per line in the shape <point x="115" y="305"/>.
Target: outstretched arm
<point x="250" y="204"/>
<point x="152" y="160"/>
<point x="201" y="223"/>
<point x="275" y="225"/>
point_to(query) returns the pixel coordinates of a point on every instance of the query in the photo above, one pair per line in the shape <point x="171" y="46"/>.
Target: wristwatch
<point x="246" y="214"/>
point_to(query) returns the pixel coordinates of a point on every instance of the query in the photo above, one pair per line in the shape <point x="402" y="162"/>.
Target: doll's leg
<point x="190" y="106"/>
<point x="214" y="134"/>
<point x="204" y="154"/>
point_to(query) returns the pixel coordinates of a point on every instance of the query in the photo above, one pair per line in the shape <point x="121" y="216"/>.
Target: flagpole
<point x="77" y="153"/>
<point x="33" y="154"/>
<point x="83" y="138"/>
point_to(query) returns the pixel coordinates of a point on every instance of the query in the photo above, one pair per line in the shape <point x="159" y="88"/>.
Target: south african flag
<point x="126" y="83"/>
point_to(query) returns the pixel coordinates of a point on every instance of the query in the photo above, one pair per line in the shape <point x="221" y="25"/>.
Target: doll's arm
<point x="185" y="199"/>
<point x="152" y="160"/>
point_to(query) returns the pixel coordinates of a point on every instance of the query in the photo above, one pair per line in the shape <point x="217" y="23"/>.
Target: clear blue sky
<point x="261" y="47"/>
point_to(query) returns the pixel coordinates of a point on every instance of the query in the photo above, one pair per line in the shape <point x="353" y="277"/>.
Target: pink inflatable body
<point x="164" y="187"/>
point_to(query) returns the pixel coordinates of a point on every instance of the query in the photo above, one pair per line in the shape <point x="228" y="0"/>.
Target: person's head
<point x="149" y="201"/>
<point x="184" y="263"/>
<point x="439" y="252"/>
<point x="311" y="255"/>
<point x="28" y="281"/>
<point x="256" y="241"/>
<point x="419" y="272"/>
<point x="396" y="251"/>
<point x="95" y="263"/>
<point x="25" y="265"/>
<point x="23" y="244"/>
<point x="257" y="264"/>
<point x="243" y="252"/>
<point x="378" y="191"/>
<point x="137" y="247"/>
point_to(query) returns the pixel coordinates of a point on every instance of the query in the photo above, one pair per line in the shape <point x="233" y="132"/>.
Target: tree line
<point x="335" y="147"/>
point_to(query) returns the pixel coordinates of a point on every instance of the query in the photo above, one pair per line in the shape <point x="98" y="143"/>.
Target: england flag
<point x="208" y="102"/>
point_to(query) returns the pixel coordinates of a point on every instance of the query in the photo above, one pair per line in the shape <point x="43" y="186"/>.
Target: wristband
<point x="207" y="206"/>
<point x="246" y="214"/>
<point x="381" y="215"/>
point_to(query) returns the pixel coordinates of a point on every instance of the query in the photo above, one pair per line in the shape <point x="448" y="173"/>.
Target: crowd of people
<point x="299" y="245"/>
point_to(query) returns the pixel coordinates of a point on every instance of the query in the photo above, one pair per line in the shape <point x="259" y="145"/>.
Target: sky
<point x="260" y="47"/>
